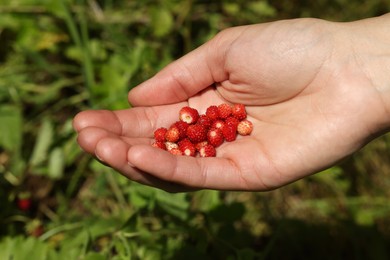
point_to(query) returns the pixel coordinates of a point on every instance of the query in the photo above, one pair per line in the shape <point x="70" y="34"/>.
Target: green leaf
<point x="262" y="8"/>
<point x="20" y="248"/>
<point x="6" y="246"/>
<point x="206" y="200"/>
<point x="56" y="163"/>
<point x="42" y="144"/>
<point x="175" y="204"/>
<point x="10" y="128"/>
<point x="95" y="256"/>
<point x="162" y="21"/>
<point x="141" y="196"/>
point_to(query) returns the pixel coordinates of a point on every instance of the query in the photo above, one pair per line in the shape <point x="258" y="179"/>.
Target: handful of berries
<point x="201" y="134"/>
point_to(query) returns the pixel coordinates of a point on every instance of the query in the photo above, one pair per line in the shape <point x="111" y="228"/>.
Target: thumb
<point x="188" y="75"/>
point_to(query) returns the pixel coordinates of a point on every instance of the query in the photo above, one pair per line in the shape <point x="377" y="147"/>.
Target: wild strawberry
<point x="176" y="151"/>
<point x="170" y="146"/>
<point x="229" y="133"/>
<point x="215" y="137"/>
<point x="199" y="145"/>
<point x="239" y="111"/>
<point x="24" y="204"/>
<point x="205" y="121"/>
<point x="159" y="144"/>
<point x="245" y="127"/>
<point x="189" y="115"/>
<point x="182" y="126"/>
<point x="37" y="232"/>
<point x="218" y="124"/>
<point x="159" y="134"/>
<point x="224" y="110"/>
<point x="196" y="133"/>
<point x="34" y="228"/>
<point x="212" y="113"/>
<point x="187" y="147"/>
<point x="207" y="151"/>
<point x="232" y="121"/>
<point x="172" y="134"/>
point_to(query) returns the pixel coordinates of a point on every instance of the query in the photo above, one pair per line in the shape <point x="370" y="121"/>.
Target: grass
<point x="61" y="57"/>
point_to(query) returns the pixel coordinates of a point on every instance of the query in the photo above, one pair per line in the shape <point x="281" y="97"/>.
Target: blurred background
<point x="60" y="57"/>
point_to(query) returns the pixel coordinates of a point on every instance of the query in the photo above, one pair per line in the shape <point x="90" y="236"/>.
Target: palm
<point x="299" y="110"/>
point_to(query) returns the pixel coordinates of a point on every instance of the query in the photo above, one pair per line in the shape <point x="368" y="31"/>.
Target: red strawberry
<point x="34" y="228"/>
<point x="215" y="137"/>
<point x="218" y="124"/>
<point x="239" y="111"/>
<point x="229" y="133"/>
<point x="189" y="115"/>
<point x="196" y="133"/>
<point x="187" y="147"/>
<point x="232" y="121"/>
<point x="159" y="144"/>
<point x="245" y="127"/>
<point x="24" y="204"/>
<point x="199" y="145"/>
<point x="182" y="126"/>
<point x="205" y="121"/>
<point x="170" y="146"/>
<point x="172" y="134"/>
<point x="176" y="151"/>
<point x="37" y="232"/>
<point x="207" y="151"/>
<point x="212" y="113"/>
<point x="159" y="134"/>
<point x="224" y="110"/>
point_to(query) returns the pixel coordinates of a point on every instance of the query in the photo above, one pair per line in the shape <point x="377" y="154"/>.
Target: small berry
<point x="189" y="115"/>
<point x="232" y="121"/>
<point x="37" y="232"/>
<point x="245" y="127"/>
<point x="172" y="134"/>
<point x="215" y="137"/>
<point x="159" y="134"/>
<point x="212" y="113"/>
<point x="24" y="204"/>
<point x="187" y="147"/>
<point x="170" y="145"/>
<point x="182" y="126"/>
<point x="218" y="124"/>
<point x="196" y="133"/>
<point x="224" y="110"/>
<point x="199" y="145"/>
<point x="176" y="151"/>
<point x="229" y="133"/>
<point x="205" y="121"/>
<point x="159" y="144"/>
<point x="207" y="151"/>
<point x="203" y="133"/>
<point x="239" y="111"/>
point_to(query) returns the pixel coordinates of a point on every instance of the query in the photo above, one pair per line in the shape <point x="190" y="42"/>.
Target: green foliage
<point x="60" y="57"/>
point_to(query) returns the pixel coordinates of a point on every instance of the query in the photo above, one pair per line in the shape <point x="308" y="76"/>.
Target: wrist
<point x="371" y="50"/>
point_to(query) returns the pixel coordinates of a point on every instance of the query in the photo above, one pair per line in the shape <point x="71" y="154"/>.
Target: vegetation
<point x="61" y="57"/>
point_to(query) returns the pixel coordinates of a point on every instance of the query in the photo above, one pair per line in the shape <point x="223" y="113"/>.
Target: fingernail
<point x="99" y="158"/>
<point x="130" y="164"/>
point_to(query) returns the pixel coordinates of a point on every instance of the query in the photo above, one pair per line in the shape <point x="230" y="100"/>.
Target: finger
<point x="188" y="75"/>
<point x="89" y="137"/>
<point x="134" y="122"/>
<point x="203" y="173"/>
<point x="113" y="152"/>
<point x="97" y="118"/>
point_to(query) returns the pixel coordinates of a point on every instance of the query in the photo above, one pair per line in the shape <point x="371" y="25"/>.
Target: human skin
<point x="316" y="92"/>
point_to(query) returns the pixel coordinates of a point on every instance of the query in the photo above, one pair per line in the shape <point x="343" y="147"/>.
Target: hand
<point x="313" y="90"/>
